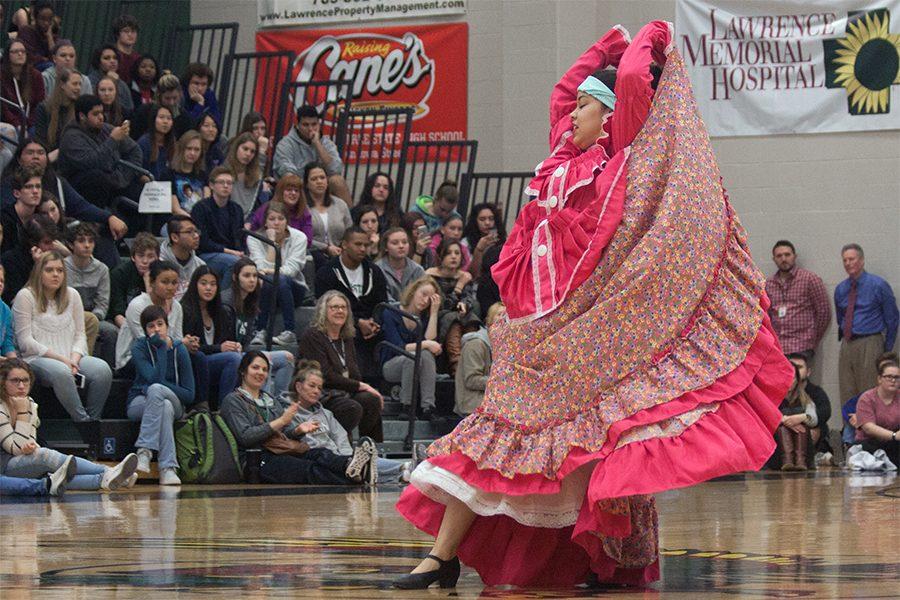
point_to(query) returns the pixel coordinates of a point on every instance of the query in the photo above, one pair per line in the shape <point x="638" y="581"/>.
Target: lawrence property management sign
<point x="298" y="13"/>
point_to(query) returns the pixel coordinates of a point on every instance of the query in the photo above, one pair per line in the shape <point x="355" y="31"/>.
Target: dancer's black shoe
<point x="446" y="575"/>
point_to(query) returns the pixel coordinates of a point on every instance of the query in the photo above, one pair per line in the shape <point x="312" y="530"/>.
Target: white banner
<point x="297" y="13"/>
<point x="792" y="66"/>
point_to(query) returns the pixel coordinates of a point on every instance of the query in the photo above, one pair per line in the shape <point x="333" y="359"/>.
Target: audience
<point x="158" y="144"/>
<point x="37" y="237"/>
<point x="329" y="342"/>
<point x="399" y="270"/>
<point x="168" y="94"/>
<point x="129" y="279"/>
<point x="57" y="111"/>
<point x="40" y="35"/>
<point x="451" y="230"/>
<point x="63" y="54"/>
<point x="818" y="433"/>
<point x="378" y="191"/>
<point x="50" y="208"/>
<point x="243" y="298"/>
<point x="163" y="388"/>
<point x="366" y="218"/>
<point x="21" y="84"/>
<point x="213" y="154"/>
<point x="878" y="413"/>
<point x="124" y="32"/>
<point x="419" y="238"/>
<point x="189" y="182"/>
<point x="114" y="112"/>
<point x="144" y="77"/>
<point x="436" y="210"/>
<point x="26" y="191"/>
<point x="421" y="298"/>
<point x="304" y="145"/>
<point x="798" y="417"/>
<point x="21" y="455"/>
<point x="258" y="421"/>
<point x="106" y="62"/>
<point x="7" y="328"/>
<point x="330" y="215"/>
<point x="483" y="231"/>
<point x="255" y="123"/>
<point x="181" y="249"/>
<point x="867" y="319"/>
<point x="199" y="97"/>
<point x="475" y="364"/>
<point x="289" y="192"/>
<point x="292" y="289"/>
<point x="220" y="221"/>
<point x="248" y="181"/>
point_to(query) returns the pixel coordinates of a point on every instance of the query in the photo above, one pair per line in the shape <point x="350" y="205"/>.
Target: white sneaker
<point x="116" y="477"/>
<point x="60" y="478"/>
<point x="259" y="339"/>
<point x="370" y="471"/>
<point x="406" y="472"/>
<point x="129" y="483"/>
<point x="144" y="455"/>
<point x="285" y="338"/>
<point x="357" y="464"/>
<point x="169" y="477"/>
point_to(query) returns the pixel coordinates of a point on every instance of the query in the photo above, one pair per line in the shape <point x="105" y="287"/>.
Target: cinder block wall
<point x="820" y="191"/>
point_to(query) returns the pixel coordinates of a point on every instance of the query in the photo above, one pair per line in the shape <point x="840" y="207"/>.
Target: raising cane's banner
<point x="423" y="66"/>
<point x="792" y="66"/>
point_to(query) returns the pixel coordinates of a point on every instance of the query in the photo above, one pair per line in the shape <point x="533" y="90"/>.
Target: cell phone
<point x="492" y="232"/>
<point x="421" y="231"/>
<point x="79" y="380"/>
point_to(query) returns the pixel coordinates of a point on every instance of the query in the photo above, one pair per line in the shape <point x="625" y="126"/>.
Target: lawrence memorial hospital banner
<point x="790" y="66"/>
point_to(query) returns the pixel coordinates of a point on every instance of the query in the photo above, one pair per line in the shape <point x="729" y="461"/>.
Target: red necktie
<point x="848" y="312"/>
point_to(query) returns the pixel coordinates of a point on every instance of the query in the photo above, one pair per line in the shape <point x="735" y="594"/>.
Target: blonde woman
<point x="241" y="160"/>
<point x="189" y="180"/>
<point x="49" y="323"/>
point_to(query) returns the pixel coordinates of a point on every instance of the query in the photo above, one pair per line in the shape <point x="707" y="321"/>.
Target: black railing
<point x="252" y="77"/>
<point x="416" y="357"/>
<point x="506" y="190"/>
<point x="376" y="139"/>
<point x="276" y="276"/>
<point x="331" y="97"/>
<point x="429" y="164"/>
<point x="209" y="44"/>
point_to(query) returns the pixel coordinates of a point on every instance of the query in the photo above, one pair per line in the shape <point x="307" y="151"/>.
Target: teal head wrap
<point x="599" y="90"/>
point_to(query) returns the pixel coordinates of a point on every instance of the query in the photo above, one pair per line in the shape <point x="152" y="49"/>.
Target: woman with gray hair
<point x="329" y="341"/>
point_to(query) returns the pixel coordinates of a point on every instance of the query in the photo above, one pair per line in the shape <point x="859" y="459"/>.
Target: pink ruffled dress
<point x="638" y="356"/>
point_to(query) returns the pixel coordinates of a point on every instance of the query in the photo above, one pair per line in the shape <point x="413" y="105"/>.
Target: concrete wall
<point x="820" y="191"/>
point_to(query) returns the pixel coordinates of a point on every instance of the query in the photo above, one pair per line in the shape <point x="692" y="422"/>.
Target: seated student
<point x="49" y="321"/>
<point x="189" y="183"/>
<point x="306" y="391"/>
<point x="399" y="270"/>
<point x="63" y="58"/>
<point x="241" y="160"/>
<point x="104" y="63"/>
<point x="378" y="191"/>
<point x="289" y="192"/>
<point x="475" y="364"/>
<point x="459" y="310"/>
<point x="483" y="231"/>
<point x="89" y="154"/>
<point x="487" y="293"/>
<point x="32" y="155"/>
<point x="329" y="342"/>
<point x="292" y="290"/>
<point x="36" y="239"/>
<point x="303" y="145"/>
<point x="258" y="421"/>
<point x="52" y="484"/>
<point x="168" y="94"/>
<point x="180" y="248"/>
<point x="819" y="433"/>
<point x="255" y="123"/>
<point x="878" y="414"/>
<point x="422" y="298"/>
<point x="792" y="436"/>
<point x="21" y="456"/>
<point x="57" y="111"/>
<point x="7" y="328"/>
<point x="144" y="77"/>
<point x="220" y="222"/>
<point x="162" y="280"/>
<point x="214" y="147"/>
<point x="50" y="208"/>
<point x="21" y="84"/>
<point x="435" y="210"/>
<point x="129" y="279"/>
<point x="366" y="218"/>
<point x="243" y="296"/>
<point x="158" y="144"/>
<point x="199" y="96"/>
<point x="41" y="34"/>
<point x="163" y="388"/>
<point x="27" y="191"/>
<point x="451" y="230"/>
<point x="419" y="238"/>
<point x="124" y="32"/>
<point x="330" y="215"/>
<point x="114" y="112"/>
<point x="90" y="278"/>
<point x="357" y="277"/>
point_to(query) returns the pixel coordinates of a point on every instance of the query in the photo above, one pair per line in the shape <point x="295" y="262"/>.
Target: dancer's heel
<point x="447" y="574"/>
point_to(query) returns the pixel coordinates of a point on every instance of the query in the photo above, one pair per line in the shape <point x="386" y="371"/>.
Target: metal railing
<point x="331" y="97"/>
<point x="209" y="44"/>
<point x="416" y="357"/>
<point x="429" y="164"/>
<point x="506" y="190"/>
<point x="375" y="139"/>
<point x="251" y="77"/>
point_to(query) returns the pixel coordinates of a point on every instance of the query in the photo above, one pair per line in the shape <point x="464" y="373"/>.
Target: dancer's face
<point x="588" y="119"/>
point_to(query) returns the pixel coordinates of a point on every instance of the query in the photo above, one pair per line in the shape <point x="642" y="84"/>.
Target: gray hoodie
<point x="473" y="371"/>
<point x="185" y="270"/>
<point x="331" y="435"/>
<point x="395" y="287"/>
<point x="292" y="154"/>
<point x="92" y="284"/>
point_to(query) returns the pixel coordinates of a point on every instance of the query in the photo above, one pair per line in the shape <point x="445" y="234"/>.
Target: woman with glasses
<point x="878" y="414"/>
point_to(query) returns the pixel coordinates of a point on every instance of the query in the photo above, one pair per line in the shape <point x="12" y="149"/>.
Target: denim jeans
<point x="44" y="460"/>
<point x="400" y="369"/>
<point x="221" y="263"/>
<point x="157" y="411"/>
<point x="280" y="372"/>
<point x="290" y="295"/>
<point x="389" y="469"/>
<point x="21" y="486"/>
<point x="317" y="466"/>
<point x="98" y="376"/>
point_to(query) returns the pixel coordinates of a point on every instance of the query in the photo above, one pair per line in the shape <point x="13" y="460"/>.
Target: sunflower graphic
<point x="866" y="62"/>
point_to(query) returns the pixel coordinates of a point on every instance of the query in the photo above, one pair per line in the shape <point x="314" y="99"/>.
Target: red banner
<point x="423" y="66"/>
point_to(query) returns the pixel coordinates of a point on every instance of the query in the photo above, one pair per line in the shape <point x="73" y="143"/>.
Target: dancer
<point x="637" y="356"/>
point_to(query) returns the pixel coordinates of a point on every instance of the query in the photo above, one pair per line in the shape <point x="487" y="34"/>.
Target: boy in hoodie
<point x="163" y="387"/>
<point x="180" y="248"/>
<point x="90" y="278"/>
<point x="129" y="279"/>
<point x="199" y="97"/>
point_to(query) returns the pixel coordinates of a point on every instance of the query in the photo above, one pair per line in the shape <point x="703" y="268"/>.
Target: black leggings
<point x="317" y="466"/>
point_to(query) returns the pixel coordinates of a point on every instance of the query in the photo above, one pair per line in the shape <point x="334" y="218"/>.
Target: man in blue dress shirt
<point x="867" y="319"/>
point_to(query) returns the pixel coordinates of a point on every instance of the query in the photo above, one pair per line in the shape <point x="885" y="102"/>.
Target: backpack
<point x="206" y="449"/>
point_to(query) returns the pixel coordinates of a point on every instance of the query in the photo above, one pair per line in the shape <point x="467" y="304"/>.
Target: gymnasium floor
<point x="828" y="534"/>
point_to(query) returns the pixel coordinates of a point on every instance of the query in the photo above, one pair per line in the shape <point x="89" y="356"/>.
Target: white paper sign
<point x="792" y="66"/>
<point x="297" y="13"/>
<point x="156" y="197"/>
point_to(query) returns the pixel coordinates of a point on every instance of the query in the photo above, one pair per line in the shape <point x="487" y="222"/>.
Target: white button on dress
<point x="542" y="250"/>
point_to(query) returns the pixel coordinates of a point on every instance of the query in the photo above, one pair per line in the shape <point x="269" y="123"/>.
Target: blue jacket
<point x="7" y="339"/>
<point x="155" y="363"/>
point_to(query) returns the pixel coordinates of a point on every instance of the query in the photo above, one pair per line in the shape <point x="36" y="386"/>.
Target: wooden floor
<point x="828" y="534"/>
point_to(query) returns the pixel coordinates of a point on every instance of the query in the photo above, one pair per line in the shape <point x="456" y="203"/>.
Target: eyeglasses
<point x="19" y="380"/>
<point x="891" y="377"/>
<point x="339" y="307"/>
<point x="189" y="232"/>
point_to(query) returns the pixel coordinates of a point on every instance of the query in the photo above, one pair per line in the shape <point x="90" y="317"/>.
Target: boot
<point x="800" y="449"/>
<point x="786" y="444"/>
<point x="453" y="346"/>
